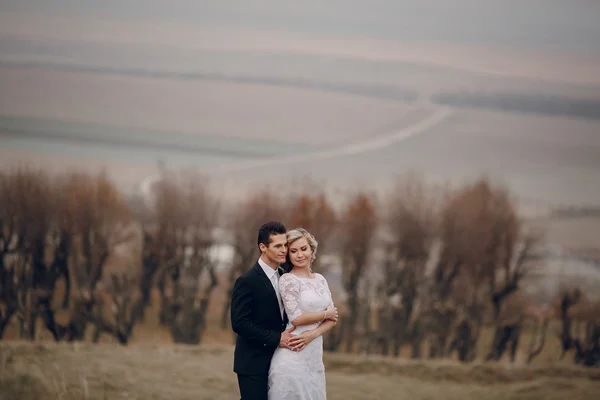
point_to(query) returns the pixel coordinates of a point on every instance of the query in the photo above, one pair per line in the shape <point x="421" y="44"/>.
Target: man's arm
<point x="242" y="324"/>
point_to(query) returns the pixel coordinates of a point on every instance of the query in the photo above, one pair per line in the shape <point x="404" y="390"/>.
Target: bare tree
<point x="162" y="246"/>
<point x="32" y="212"/>
<point x="245" y="219"/>
<point x="463" y="222"/>
<point x="150" y="247"/>
<point x="98" y="221"/>
<point x="509" y="319"/>
<point x="8" y="248"/>
<point x="410" y="233"/>
<point x="357" y="230"/>
<point x="508" y="257"/>
<point x="45" y="232"/>
<point x="314" y="213"/>
<point x="573" y="306"/>
<point x="57" y="227"/>
<point x="515" y="312"/>
<point x="187" y="215"/>
<point x="483" y="258"/>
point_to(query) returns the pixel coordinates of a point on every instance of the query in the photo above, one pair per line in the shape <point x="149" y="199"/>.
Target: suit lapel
<point x="263" y="277"/>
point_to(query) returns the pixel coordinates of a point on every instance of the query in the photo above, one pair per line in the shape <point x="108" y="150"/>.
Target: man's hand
<point x="285" y="337"/>
<point x="331" y="313"/>
<point x="298" y="343"/>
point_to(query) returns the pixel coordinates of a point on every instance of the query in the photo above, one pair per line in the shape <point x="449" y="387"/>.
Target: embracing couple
<point x="279" y="310"/>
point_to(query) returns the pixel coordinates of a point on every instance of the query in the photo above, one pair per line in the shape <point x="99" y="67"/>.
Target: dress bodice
<point x="301" y="295"/>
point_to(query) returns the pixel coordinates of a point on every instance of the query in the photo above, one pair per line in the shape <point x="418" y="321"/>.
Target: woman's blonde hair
<point x="300" y="233"/>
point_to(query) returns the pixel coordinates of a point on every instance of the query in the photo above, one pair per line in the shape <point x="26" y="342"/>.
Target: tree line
<point x="424" y="268"/>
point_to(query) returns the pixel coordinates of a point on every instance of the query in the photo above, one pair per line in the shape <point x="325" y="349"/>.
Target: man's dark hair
<point x="268" y="229"/>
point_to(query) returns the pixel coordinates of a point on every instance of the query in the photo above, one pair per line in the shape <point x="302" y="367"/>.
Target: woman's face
<point x="300" y="253"/>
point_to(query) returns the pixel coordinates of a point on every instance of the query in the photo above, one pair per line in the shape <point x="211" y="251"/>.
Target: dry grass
<point x="153" y="368"/>
<point x="106" y="371"/>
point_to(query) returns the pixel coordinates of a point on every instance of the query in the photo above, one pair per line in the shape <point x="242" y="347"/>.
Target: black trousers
<point x="253" y="387"/>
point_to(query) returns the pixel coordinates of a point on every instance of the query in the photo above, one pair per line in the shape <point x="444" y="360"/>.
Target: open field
<point x="94" y="372"/>
<point x="196" y="107"/>
<point x="548" y="158"/>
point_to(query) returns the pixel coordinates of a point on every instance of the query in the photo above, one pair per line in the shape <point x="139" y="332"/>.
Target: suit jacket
<point x="256" y="319"/>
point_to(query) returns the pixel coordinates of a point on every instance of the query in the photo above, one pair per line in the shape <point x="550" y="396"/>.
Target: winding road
<point x="438" y="116"/>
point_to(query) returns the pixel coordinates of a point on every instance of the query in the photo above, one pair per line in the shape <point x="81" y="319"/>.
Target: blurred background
<point x="446" y="155"/>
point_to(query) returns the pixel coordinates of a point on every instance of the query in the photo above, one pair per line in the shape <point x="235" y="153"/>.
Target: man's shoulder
<point x="249" y="273"/>
<point x="246" y="279"/>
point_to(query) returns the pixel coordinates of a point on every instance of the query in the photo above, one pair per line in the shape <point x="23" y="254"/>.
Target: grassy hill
<point x="107" y="371"/>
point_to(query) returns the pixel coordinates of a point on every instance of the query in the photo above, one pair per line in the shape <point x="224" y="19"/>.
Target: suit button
<point x="264" y="345"/>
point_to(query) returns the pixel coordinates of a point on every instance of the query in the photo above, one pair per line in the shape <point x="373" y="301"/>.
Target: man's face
<point x="276" y="251"/>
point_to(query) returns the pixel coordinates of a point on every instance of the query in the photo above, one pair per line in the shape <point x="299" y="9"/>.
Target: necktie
<point x="275" y="279"/>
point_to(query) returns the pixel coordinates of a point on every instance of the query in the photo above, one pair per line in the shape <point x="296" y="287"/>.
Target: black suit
<point x="256" y="319"/>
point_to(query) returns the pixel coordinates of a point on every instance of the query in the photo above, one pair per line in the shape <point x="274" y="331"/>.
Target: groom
<point x="257" y="314"/>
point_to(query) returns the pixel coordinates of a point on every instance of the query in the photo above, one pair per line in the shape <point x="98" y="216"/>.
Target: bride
<point x="299" y="373"/>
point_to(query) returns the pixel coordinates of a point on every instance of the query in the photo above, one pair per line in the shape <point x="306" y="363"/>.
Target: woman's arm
<point x="289" y="288"/>
<point x="297" y="343"/>
<point x="309" y="318"/>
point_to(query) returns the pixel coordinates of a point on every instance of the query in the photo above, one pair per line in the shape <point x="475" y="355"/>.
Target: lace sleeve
<point x="326" y="287"/>
<point x="289" y="288"/>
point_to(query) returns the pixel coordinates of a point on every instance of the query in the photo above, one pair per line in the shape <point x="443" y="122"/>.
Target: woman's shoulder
<point x="286" y="277"/>
<point x="320" y="277"/>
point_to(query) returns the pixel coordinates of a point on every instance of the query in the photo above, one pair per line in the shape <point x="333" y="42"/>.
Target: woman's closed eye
<point x="301" y="249"/>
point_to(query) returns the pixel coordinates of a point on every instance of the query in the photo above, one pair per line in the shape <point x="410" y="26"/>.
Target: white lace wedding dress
<point x="300" y="375"/>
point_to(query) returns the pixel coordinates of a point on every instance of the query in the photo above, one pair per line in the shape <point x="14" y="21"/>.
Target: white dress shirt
<point x="274" y="278"/>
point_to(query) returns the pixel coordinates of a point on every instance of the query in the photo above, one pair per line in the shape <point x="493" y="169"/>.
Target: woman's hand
<point x="298" y="343"/>
<point x="331" y="313"/>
